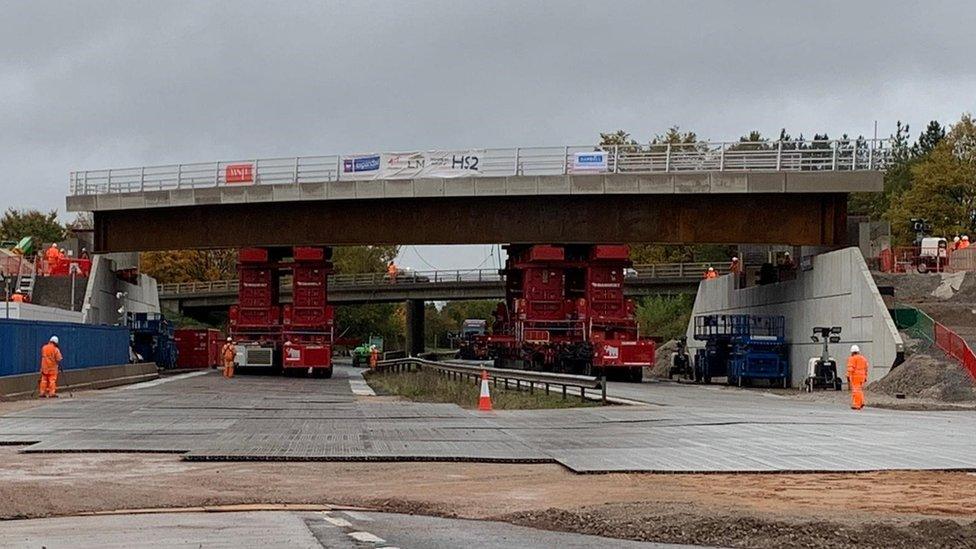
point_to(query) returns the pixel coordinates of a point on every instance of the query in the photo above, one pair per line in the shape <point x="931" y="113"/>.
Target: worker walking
<point x="857" y="375"/>
<point x="374" y="357"/>
<point x="710" y="273"/>
<point x="227" y="354"/>
<point x="391" y="271"/>
<point x="50" y="363"/>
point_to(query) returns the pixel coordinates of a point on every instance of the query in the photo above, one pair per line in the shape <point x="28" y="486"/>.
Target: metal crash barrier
<point x="519" y="379"/>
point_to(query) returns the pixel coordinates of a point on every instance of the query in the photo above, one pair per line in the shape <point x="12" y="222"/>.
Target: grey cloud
<point x="110" y="84"/>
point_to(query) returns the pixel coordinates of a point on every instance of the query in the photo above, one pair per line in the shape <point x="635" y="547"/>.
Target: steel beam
<point x="812" y="219"/>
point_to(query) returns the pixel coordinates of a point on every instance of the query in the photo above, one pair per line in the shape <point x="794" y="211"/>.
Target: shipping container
<point x="198" y="347"/>
<point x="82" y="345"/>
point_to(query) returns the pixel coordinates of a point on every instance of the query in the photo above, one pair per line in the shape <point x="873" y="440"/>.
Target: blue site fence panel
<point x="82" y="345"/>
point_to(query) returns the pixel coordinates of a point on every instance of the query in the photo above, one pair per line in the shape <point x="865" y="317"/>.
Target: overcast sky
<point x="87" y="85"/>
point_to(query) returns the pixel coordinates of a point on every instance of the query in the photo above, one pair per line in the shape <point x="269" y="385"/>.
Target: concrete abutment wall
<point x="837" y="291"/>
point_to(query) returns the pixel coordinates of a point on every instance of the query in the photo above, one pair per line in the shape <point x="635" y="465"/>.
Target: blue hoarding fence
<point x="82" y="345"/>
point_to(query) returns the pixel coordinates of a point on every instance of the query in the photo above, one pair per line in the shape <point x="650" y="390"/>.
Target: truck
<point x="472" y="341"/>
<point x="294" y="337"/>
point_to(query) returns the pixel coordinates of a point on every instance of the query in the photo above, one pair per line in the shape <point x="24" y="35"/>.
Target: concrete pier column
<point x="415" y="326"/>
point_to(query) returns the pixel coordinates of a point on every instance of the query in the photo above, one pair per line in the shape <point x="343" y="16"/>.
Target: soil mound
<point x="931" y="287"/>
<point x="928" y="375"/>
<point x="662" y="359"/>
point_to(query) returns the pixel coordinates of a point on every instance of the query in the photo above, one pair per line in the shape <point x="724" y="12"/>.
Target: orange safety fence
<point x="956" y="347"/>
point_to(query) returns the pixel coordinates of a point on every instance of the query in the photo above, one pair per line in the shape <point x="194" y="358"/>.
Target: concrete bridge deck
<point x="780" y="192"/>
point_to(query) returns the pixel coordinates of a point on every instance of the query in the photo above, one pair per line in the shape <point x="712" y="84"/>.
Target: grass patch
<point x="427" y="386"/>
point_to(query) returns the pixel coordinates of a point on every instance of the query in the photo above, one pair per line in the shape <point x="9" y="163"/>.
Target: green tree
<point x="361" y="321"/>
<point x="664" y="316"/>
<point x="363" y="259"/>
<point x="45" y="228"/>
<point x="942" y="186"/>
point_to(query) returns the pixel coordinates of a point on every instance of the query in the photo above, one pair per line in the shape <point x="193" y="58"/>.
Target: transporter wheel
<point x="637" y="374"/>
<point x="922" y="268"/>
<point x="323" y="372"/>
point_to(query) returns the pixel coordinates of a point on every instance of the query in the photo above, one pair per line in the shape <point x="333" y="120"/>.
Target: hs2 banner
<point x="413" y="165"/>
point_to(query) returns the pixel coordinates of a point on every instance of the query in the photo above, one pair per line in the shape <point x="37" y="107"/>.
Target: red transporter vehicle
<point x="565" y="311"/>
<point x="296" y="337"/>
<point x="308" y="322"/>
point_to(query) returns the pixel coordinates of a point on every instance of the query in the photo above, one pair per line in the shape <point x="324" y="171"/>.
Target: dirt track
<point x="674" y="507"/>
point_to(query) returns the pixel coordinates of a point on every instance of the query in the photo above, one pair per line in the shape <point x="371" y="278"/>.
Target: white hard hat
<point x="711" y="268"/>
<point x="965" y="237"/>
<point x="786" y="253"/>
<point x="956" y="239"/>
<point x="229" y="338"/>
<point x="54" y="339"/>
<point x="855" y="349"/>
<point x="734" y="258"/>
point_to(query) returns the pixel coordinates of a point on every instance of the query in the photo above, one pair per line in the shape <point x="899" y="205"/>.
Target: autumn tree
<point x="189" y="265"/>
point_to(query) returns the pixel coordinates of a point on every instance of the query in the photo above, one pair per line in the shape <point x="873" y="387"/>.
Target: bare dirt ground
<point x="746" y="510"/>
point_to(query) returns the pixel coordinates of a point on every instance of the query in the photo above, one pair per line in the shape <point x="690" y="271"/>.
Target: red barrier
<point x="956" y="347"/>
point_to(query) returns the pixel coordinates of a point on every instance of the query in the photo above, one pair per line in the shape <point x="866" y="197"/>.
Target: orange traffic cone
<point x="484" y="403"/>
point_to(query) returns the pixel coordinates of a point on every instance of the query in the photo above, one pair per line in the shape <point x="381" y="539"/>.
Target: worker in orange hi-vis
<point x="710" y="273"/>
<point x="955" y="243"/>
<point x="50" y="362"/>
<point x="374" y="357"/>
<point x="735" y="267"/>
<point x="964" y="243"/>
<point x="391" y="271"/>
<point x="227" y="354"/>
<point x="51" y="256"/>
<point x="17" y="297"/>
<point x="857" y="375"/>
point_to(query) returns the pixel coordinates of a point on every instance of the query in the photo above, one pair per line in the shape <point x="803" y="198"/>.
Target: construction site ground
<point x="871" y="476"/>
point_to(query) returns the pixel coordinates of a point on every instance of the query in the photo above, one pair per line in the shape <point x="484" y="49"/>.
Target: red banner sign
<point x="239" y="173"/>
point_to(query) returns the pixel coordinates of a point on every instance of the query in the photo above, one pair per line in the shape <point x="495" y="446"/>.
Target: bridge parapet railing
<point x="734" y="156"/>
<point x="682" y="271"/>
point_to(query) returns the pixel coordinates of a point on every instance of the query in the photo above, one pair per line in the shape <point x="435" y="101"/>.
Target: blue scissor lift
<point x="152" y="338"/>
<point x="713" y="359"/>
<point x="758" y="350"/>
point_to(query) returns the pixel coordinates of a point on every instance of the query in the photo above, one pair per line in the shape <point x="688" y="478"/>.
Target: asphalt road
<point x="291" y="529"/>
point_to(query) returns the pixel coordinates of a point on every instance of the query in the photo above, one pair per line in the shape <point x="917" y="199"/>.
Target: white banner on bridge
<point x="413" y="165"/>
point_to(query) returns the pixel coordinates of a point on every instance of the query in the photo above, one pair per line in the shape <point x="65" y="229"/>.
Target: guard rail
<point x="640" y="272"/>
<point x="519" y="378"/>
<point x="832" y="155"/>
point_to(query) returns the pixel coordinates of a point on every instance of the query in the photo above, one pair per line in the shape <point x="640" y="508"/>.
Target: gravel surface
<point x="919" y="288"/>
<point x="646" y="523"/>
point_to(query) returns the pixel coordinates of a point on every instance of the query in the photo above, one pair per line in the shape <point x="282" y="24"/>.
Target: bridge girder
<point x="815" y="219"/>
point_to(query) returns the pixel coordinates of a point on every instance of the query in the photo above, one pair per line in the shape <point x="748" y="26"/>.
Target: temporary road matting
<point x="689" y="430"/>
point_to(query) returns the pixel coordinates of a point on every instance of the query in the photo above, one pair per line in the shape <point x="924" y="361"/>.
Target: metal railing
<point x="679" y="271"/>
<point x="734" y="156"/>
<point x="518" y="379"/>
